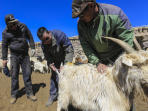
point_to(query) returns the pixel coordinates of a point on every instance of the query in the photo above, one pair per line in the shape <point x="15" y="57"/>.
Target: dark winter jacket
<point x="17" y="41"/>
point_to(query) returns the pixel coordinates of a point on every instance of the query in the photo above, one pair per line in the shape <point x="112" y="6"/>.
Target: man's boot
<point x="32" y="97"/>
<point x="49" y="102"/>
<point x="13" y="100"/>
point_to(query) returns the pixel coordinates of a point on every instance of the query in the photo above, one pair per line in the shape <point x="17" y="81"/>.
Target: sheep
<point x="86" y="89"/>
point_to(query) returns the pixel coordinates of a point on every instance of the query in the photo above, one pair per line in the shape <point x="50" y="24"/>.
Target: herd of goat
<point x="85" y="88"/>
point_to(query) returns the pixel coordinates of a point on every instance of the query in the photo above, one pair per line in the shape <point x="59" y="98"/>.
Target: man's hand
<point x="5" y="63"/>
<point x="101" y="68"/>
<point x="32" y="52"/>
<point x="52" y="67"/>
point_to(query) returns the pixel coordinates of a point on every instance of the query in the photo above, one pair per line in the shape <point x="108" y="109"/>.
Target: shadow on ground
<point x="35" y="88"/>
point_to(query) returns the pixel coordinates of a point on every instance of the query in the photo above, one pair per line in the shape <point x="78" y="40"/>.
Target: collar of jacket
<point x="100" y="12"/>
<point x="53" y="42"/>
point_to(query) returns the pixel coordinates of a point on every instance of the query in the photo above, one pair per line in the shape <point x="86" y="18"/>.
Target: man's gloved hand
<point x="32" y="52"/>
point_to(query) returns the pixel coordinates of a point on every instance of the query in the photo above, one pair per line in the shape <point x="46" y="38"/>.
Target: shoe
<point x="50" y="102"/>
<point x="13" y="100"/>
<point x="32" y="97"/>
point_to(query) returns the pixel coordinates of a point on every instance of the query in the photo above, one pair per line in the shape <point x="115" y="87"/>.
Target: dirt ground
<point x="41" y="89"/>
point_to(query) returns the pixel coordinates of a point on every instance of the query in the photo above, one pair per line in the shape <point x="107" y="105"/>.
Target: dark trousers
<point x="24" y="62"/>
<point x="54" y="82"/>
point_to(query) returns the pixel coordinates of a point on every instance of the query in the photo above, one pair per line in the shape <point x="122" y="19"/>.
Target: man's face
<point x="12" y="26"/>
<point x="47" y="38"/>
<point x="88" y="14"/>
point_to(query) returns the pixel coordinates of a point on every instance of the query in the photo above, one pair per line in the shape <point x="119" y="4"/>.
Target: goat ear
<point x="127" y="61"/>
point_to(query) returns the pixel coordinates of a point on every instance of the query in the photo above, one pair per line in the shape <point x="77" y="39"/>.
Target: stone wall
<point x="141" y="33"/>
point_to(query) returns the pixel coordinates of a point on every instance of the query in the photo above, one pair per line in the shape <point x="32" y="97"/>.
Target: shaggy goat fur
<point x="39" y="66"/>
<point x="85" y="88"/>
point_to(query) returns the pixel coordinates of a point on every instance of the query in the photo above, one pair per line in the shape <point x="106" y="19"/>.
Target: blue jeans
<point x="24" y="62"/>
<point x="54" y="85"/>
<point x="54" y="80"/>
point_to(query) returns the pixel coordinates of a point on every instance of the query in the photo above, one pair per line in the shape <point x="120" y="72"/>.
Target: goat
<point x="39" y="66"/>
<point x="86" y="89"/>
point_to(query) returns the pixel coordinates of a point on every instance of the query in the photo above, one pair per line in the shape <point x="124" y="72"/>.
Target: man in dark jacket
<point x="95" y="21"/>
<point x="15" y="37"/>
<point x="57" y="50"/>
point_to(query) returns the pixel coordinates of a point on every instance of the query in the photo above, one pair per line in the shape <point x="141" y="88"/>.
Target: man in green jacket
<point x="97" y="20"/>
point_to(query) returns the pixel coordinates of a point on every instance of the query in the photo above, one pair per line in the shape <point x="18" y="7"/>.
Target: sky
<point x="57" y="14"/>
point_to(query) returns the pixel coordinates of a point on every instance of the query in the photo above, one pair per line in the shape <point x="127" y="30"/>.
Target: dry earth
<point x="41" y="89"/>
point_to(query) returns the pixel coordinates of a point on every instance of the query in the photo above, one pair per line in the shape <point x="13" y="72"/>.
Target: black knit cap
<point x="78" y="6"/>
<point x="10" y="19"/>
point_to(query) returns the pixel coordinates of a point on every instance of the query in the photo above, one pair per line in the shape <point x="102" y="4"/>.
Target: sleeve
<point x="47" y="55"/>
<point x="30" y="38"/>
<point x="68" y="48"/>
<point x="123" y="29"/>
<point x="89" y="52"/>
<point x="4" y="46"/>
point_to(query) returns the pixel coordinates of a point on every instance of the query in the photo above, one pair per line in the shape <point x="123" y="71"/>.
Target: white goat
<point x="86" y="89"/>
<point x="1" y="65"/>
<point x="39" y="66"/>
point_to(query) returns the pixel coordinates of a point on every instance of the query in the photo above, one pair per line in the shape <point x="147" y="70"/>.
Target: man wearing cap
<point x="15" y="37"/>
<point x="95" y="21"/>
<point x="57" y="50"/>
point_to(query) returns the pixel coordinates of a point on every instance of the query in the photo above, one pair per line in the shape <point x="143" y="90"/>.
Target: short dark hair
<point x="40" y="32"/>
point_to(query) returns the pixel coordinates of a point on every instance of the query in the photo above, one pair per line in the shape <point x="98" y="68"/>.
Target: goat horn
<point x="123" y="44"/>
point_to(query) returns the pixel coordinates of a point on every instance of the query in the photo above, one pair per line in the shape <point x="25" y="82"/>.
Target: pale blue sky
<point x="56" y="14"/>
